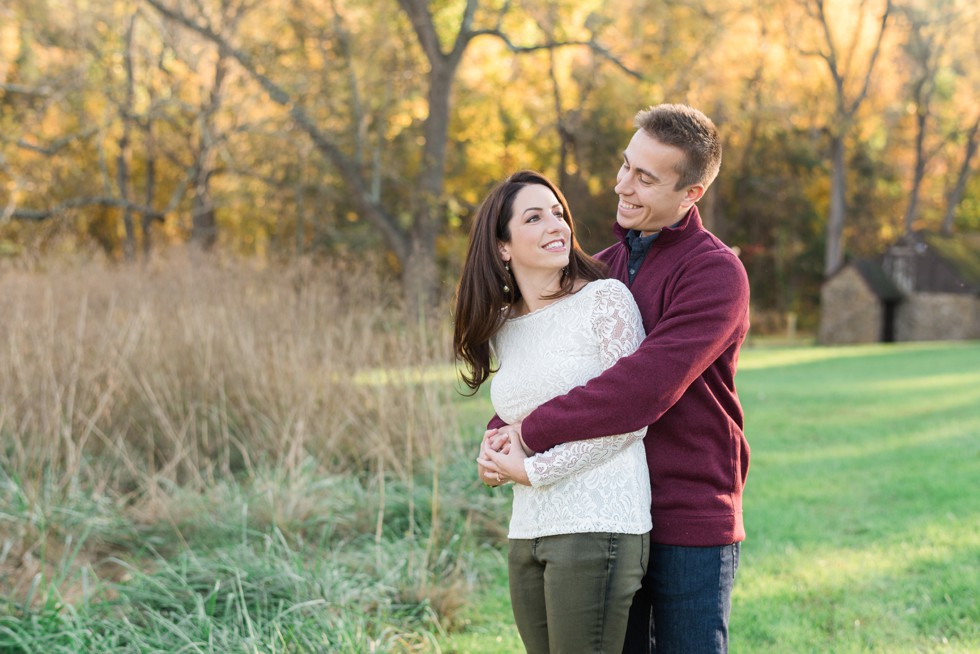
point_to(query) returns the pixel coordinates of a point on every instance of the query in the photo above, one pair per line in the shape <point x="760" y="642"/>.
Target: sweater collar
<point x="688" y="225"/>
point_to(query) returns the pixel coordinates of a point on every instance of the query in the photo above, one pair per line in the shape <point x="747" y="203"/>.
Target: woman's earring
<point x="507" y="268"/>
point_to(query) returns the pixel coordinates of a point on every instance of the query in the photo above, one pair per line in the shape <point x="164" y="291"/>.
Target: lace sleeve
<point x="617" y="323"/>
<point x="618" y="327"/>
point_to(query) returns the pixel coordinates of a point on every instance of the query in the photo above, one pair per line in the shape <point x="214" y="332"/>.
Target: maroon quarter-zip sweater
<point x="693" y="293"/>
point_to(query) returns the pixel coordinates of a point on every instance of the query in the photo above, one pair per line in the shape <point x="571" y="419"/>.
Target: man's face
<point x="645" y="184"/>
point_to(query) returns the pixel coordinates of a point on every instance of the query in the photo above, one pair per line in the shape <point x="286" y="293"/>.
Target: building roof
<point x="961" y="251"/>
<point x="876" y="279"/>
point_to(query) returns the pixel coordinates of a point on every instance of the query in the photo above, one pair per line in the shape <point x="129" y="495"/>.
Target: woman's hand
<point x="502" y="461"/>
<point x="487" y="476"/>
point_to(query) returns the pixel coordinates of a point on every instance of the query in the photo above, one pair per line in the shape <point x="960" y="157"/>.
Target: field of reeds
<point x="224" y="458"/>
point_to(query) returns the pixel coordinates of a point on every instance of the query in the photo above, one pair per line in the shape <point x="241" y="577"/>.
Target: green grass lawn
<point x="862" y="506"/>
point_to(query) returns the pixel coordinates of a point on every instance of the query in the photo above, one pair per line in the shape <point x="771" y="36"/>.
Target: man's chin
<point x="625" y="223"/>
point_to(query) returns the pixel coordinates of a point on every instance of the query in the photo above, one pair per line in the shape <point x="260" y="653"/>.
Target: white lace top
<point x="594" y="485"/>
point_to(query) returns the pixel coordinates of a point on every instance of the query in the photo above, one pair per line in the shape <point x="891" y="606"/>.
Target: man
<point x="693" y="294"/>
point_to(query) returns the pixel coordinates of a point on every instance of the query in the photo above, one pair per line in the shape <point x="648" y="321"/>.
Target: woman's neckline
<point x="553" y="303"/>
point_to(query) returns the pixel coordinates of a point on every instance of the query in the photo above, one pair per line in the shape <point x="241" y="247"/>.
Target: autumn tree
<point x="441" y="34"/>
<point x="930" y="28"/>
<point x="964" y="138"/>
<point x="103" y="139"/>
<point x="847" y="38"/>
<point x="971" y="140"/>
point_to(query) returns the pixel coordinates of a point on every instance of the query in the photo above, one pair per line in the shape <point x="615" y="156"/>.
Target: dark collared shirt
<point x="639" y="246"/>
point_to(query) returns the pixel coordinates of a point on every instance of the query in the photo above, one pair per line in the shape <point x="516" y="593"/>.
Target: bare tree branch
<point x="124" y="178"/>
<point x="859" y="98"/>
<point x="418" y="15"/>
<point x="465" y="35"/>
<point x="596" y="47"/>
<point x="504" y="10"/>
<point x="59" y="144"/>
<point x="77" y="203"/>
<point x="374" y="213"/>
<point x="830" y="55"/>
<point x="347" y="60"/>
<point x="38" y="91"/>
<point x="956" y="193"/>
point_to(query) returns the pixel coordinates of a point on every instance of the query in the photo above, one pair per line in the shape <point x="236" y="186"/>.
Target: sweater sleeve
<point x="705" y="314"/>
<point x="618" y="329"/>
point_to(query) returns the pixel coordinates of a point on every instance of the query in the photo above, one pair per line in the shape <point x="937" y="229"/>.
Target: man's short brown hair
<point x="692" y="132"/>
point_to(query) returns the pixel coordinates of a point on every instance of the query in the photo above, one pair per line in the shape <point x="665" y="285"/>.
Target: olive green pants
<point x="572" y="593"/>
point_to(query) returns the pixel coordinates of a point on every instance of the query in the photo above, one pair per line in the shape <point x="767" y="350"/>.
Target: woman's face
<point x="540" y="238"/>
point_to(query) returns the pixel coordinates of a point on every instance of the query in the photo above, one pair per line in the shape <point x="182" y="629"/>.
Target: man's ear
<point x="693" y="194"/>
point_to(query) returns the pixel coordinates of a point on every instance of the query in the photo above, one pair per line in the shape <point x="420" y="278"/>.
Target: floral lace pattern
<point x="599" y="484"/>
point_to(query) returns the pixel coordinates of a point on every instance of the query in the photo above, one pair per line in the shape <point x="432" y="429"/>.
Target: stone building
<point x="925" y="287"/>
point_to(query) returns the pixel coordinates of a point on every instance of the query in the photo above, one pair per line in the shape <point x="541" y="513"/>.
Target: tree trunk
<point x="123" y="175"/>
<point x="125" y="190"/>
<point x="148" y="218"/>
<point x="421" y="281"/>
<point x="204" y="230"/>
<point x="920" y="169"/>
<point x="204" y="227"/>
<point x="956" y="194"/>
<point x="418" y="278"/>
<point x="846" y="110"/>
<point x="833" y="257"/>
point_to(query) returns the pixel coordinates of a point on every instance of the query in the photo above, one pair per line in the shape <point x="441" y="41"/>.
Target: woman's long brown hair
<point x="481" y="301"/>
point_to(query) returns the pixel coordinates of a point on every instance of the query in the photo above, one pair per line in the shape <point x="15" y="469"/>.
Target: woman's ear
<point x="504" y="252"/>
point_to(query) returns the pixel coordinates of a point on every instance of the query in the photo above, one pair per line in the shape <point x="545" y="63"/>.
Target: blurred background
<point x="334" y="128"/>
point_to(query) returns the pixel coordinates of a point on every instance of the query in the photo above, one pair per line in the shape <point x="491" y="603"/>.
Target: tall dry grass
<point x="134" y="381"/>
<point x="158" y="423"/>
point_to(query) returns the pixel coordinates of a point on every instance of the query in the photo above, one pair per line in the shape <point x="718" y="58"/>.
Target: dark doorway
<point x="888" y="322"/>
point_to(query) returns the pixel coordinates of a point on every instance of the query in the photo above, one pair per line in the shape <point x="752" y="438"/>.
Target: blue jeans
<point x="684" y="603"/>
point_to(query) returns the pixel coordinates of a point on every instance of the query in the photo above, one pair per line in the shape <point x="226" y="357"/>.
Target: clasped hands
<point x="502" y="455"/>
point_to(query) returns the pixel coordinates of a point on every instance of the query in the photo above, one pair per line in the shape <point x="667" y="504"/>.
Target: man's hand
<point x="503" y="437"/>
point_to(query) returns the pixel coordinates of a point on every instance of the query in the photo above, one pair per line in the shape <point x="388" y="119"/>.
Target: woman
<point x="530" y="297"/>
